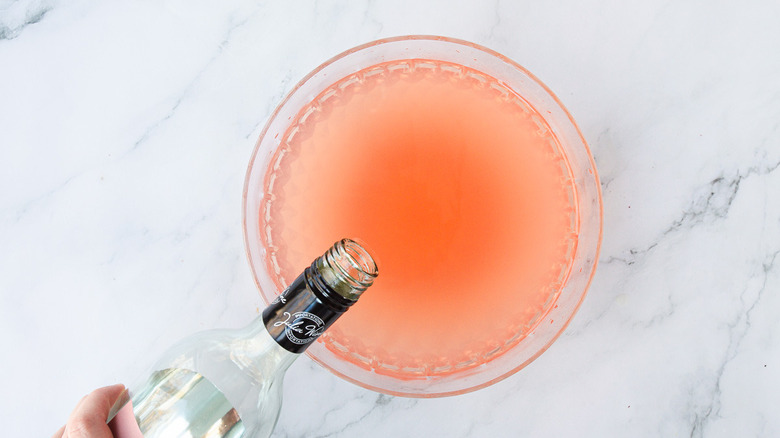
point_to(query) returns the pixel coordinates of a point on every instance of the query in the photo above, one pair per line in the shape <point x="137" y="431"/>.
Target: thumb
<point x="88" y="420"/>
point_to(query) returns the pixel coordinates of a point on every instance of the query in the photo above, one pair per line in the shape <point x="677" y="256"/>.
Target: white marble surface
<point x="126" y="128"/>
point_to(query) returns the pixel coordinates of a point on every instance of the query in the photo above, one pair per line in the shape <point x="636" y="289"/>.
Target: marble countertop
<point x="126" y="129"/>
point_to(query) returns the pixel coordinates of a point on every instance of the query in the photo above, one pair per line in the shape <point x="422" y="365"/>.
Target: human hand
<point x="88" y="419"/>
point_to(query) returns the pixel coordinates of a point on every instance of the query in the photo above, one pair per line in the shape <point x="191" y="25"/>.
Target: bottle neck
<point x="301" y="314"/>
<point x="319" y="296"/>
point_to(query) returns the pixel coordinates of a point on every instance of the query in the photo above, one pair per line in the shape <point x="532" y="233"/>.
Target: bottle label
<point x="301" y="327"/>
<point x="297" y="317"/>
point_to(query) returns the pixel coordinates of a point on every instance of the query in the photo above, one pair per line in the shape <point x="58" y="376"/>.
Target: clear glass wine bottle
<point x="228" y="383"/>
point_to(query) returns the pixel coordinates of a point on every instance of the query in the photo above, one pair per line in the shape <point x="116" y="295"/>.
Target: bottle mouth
<point x="348" y="268"/>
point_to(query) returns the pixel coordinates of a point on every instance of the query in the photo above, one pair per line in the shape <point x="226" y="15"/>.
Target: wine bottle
<point x="228" y="383"/>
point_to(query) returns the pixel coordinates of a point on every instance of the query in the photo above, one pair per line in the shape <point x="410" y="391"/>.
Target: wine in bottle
<point x="228" y="383"/>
